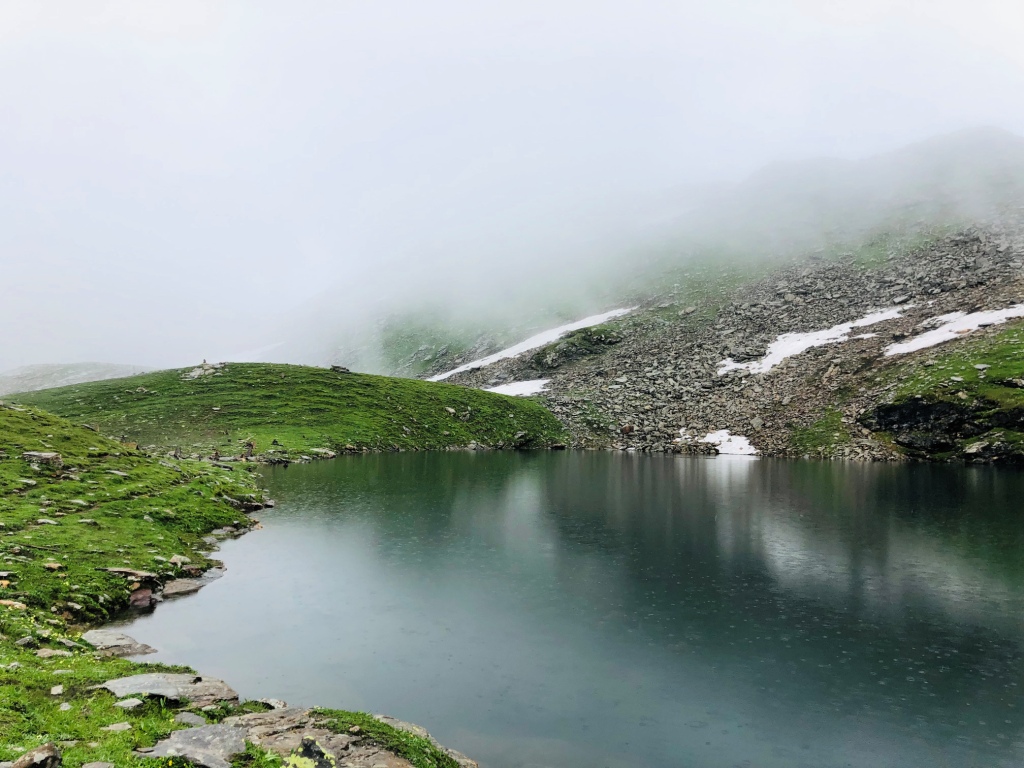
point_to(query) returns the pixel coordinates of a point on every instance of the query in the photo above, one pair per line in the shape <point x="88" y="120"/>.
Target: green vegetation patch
<point x="100" y="505"/>
<point x="821" y="437"/>
<point x="419" y="751"/>
<point x="999" y="380"/>
<point x="288" y="410"/>
<point x="66" y="518"/>
<point x="966" y="403"/>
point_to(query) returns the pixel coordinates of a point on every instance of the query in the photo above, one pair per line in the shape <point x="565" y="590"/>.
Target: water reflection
<point x="593" y="609"/>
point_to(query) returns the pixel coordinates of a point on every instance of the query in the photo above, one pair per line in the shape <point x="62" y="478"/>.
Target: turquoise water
<point x="583" y="610"/>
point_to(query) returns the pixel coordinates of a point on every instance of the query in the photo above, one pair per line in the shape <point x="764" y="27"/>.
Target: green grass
<point x="993" y="395"/>
<point x="289" y="410"/>
<point x="417" y="750"/>
<point x="111" y="507"/>
<point x="821" y="437"/>
<point x="141" y="510"/>
<point x="1003" y="352"/>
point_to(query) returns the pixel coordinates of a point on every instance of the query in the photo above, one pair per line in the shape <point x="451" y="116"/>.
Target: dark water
<point x="583" y="610"/>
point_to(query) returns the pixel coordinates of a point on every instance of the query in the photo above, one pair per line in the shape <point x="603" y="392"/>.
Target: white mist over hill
<point x="187" y="180"/>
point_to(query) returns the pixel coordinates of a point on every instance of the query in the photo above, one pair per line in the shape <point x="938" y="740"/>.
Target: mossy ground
<point x="982" y="376"/>
<point x="143" y="509"/>
<point x="140" y="510"/>
<point x="289" y="410"/>
<point x="821" y="437"/>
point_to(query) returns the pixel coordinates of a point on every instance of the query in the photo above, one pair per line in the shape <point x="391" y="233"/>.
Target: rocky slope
<point x="655" y="381"/>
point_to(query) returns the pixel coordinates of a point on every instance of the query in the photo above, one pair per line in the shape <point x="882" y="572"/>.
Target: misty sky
<point x="181" y="178"/>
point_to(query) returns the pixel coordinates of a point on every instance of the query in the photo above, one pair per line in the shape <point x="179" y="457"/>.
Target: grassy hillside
<point x="966" y="404"/>
<point x="62" y="522"/>
<point x="288" y="410"/>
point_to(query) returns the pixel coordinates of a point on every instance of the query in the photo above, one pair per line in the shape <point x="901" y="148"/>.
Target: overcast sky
<point x="180" y="177"/>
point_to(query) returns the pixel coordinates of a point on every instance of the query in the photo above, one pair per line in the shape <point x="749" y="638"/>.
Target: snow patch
<point x="729" y="444"/>
<point x="534" y="342"/>
<point x="521" y="388"/>
<point x="789" y="344"/>
<point x="953" y="326"/>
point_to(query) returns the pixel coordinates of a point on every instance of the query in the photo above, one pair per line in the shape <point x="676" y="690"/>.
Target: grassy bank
<point x="967" y="404"/>
<point x="83" y="504"/>
<point x="288" y="411"/>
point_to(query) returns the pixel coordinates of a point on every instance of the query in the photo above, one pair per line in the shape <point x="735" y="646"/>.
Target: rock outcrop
<point x="662" y="385"/>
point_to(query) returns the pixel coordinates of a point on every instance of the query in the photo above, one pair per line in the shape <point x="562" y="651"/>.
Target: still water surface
<point x="581" y="610"/>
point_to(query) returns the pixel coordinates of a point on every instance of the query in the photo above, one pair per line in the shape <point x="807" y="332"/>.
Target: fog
<point x="186" y="180"/>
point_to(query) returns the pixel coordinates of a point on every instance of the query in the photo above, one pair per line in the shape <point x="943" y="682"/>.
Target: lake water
<point x="590" y="610"/>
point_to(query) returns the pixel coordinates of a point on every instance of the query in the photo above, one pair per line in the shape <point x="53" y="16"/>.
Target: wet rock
<point x="211" y="746"/>
<point x="110" y="643"/>
<point x="179" y="587"/>
<point x="197" y="690"/>
<point x="310" y="755"/>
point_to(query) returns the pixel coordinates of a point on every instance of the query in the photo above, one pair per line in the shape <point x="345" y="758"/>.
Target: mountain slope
<point x="814" y="358"/>
<point x="281" y="411"/>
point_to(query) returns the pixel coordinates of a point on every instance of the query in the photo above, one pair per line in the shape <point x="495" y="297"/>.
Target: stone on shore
<point x="179" y="587"/>
<point x="199" y="691"/>
<point x="211" y="746"/>
<point x="110" y="643"/>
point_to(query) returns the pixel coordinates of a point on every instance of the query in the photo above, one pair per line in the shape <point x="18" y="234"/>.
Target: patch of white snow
<point x="520" y="388"/>
<point x="789" y="344"/>
<point x="953" y="326"/>
<point x="729" y="444"/>
<point x="534" y="342"/>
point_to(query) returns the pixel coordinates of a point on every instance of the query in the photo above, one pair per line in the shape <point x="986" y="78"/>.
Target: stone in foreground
<point x="46" y="756"/>
<point x="197" y="690"/>
<point x="211" y="746"/>
<point x="110" y="643"/>
<point x="179" y="587"/>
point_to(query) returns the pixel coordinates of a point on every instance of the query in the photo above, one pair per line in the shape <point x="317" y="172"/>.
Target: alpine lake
<point x="610" y="610"/>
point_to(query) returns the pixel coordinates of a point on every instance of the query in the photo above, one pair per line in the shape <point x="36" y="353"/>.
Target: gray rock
<point x="46" y="756"/>
<point x="189" y="718"/>
<point x="118" y="727"/>
<point x="211" y="746"/>
<point x="177" y="687"/>
<point x="98" y="765"/>
<point x="128" y="703"/>
<point x="57" y="690"/>
<point x="49" y="653"/>
<point x="110" y="643"/>
<point x="179" y="587"/>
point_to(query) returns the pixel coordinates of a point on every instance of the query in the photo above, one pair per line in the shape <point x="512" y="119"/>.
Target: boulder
<point x="46" y="756"/>
<point x="211" y="746"/>
<point x="197" y="690"/>
<point x="110" y="643"/>
<point x="179" y="587"/>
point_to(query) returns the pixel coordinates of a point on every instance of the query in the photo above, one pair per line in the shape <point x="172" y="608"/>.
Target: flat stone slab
<point x="179" y="587"/>
<point x="189" y="719"/>
<point x="110" y="643"/>
<point x="197" y="690"/>
<point x="211" y="746"/>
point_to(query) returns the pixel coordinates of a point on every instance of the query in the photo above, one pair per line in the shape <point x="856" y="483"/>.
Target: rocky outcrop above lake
<point x="682" y="367"/>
